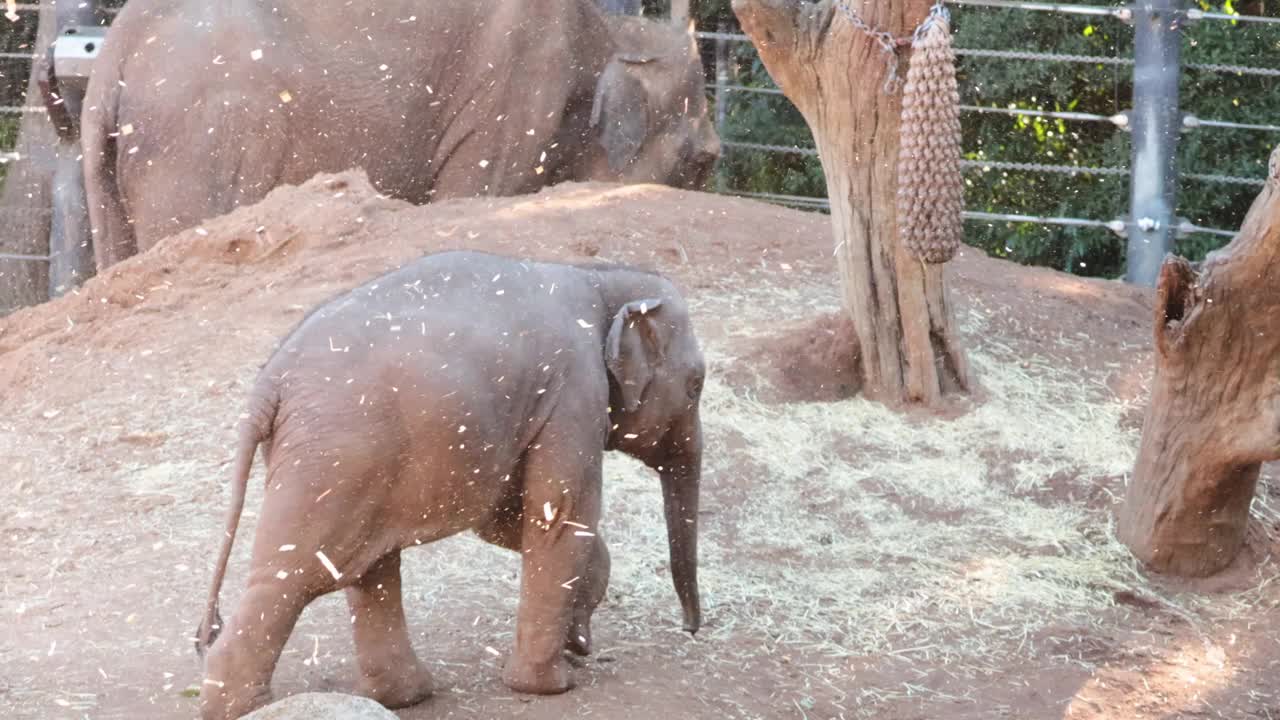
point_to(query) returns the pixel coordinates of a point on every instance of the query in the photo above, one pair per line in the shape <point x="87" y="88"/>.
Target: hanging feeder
<point x="930" y="186"/>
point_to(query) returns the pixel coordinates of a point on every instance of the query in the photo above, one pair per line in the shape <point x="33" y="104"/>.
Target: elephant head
<point x="649" y="114"/>
<point x="656" y="371"/>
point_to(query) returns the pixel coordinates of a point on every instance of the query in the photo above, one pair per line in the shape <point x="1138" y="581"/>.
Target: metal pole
<point x="621" y="7"/>
<point x="70" y="240"/>
<point x="1153" y="185"/>
<point x="722" y="93"/>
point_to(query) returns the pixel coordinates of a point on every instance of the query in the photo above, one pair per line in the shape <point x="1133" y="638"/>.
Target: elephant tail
<point x="255" y="428"/>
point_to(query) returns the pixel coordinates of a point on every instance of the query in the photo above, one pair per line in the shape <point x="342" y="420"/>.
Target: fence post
<point x="1156" y="122"/>
<point x="722" y="91"/>
<point x="70" y="240"/>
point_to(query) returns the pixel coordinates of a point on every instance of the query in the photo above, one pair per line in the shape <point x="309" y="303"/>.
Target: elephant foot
<point x="579" y="641"/>
<point x="524" y="677"/>
<point x="400" y="688"/>
<point x="217" y="704"/>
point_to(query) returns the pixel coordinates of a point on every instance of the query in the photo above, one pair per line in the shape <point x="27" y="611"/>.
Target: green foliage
<point x="1098" y="88"/>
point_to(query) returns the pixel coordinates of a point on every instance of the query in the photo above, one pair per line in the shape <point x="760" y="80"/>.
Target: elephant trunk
<point x="680" y="481"/>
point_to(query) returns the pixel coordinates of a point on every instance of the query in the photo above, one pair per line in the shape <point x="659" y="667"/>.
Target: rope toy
<point x="930" y="186"/>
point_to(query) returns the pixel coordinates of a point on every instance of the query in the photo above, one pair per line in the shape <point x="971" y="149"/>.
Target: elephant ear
<point x="621" y="111"/>
<point x="634" y="348"/>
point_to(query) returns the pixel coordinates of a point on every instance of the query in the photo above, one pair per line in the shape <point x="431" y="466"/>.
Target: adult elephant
<point x="195" y="108"/>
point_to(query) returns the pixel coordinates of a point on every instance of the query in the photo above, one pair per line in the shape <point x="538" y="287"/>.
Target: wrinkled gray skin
<point x="465" y="391"/>
<point x="432" y="98"/>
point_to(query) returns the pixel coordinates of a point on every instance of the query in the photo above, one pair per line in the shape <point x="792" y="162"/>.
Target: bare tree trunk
<point x="1214" y="414"/>
<point x="834" y="74"/>
<point x="26" y="199"/>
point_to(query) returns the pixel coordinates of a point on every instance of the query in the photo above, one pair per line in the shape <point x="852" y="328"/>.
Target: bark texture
<point x="26" y="200"/>
<point x="834" y="74"/>
<point x="1214" y="414"/>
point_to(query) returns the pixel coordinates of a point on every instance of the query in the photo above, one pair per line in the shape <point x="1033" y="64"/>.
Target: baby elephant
<point x="464" y="391"/>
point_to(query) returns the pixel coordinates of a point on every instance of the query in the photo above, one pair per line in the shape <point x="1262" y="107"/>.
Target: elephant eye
<point x="695" y="386"/>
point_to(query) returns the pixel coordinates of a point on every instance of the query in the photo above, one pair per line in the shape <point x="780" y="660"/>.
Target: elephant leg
<point x="591" y="592"/>
<point x="301" y="551"/>
<point x="561" y="495"/>
<point x="238" y="668"/>
<point x="505" y="530"/>
<point x="390" y="672"/>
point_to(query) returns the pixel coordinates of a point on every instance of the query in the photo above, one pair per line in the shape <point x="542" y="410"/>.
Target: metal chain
<point x="1038" y="167"/>
<point x="18" y="257"/>
<point x="1226" y="179"/>
<point x="787" y="149"/>
<point x="1052" y="57"/>
<point x="1233" y="69"/>
<point x="887" y="42"/>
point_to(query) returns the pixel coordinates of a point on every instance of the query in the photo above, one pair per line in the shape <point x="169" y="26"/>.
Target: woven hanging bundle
<point x="930" y="187"/>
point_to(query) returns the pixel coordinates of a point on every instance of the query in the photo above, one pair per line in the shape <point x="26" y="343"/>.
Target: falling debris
<point x="256" y="54"/>
<point x="12" y="12"/>
<point x="126" y="129"/>
<point x="315" y="653"/>
<point x="581" y="323"/>
<point x="285" y="96"/>
<point x="324" y="560"/>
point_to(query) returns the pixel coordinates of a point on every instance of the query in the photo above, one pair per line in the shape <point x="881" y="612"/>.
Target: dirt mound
<point x="855" y="562"/>
<point x="814" y="360"/>
<point x="335" y="231"/>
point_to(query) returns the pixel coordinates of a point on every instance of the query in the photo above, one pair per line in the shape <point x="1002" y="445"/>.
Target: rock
<point x="322" y="706"/>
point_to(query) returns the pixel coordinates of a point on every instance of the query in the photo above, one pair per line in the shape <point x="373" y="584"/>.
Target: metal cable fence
<point x="1133" y="225"/>
<point x="1124" y="121"/>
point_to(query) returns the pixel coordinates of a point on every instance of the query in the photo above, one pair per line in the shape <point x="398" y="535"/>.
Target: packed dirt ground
<point x="855" y="561"/>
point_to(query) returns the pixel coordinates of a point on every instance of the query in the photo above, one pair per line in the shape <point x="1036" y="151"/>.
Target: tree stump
<point x="1214" y="414"/>
<point x="834" y="74"/>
